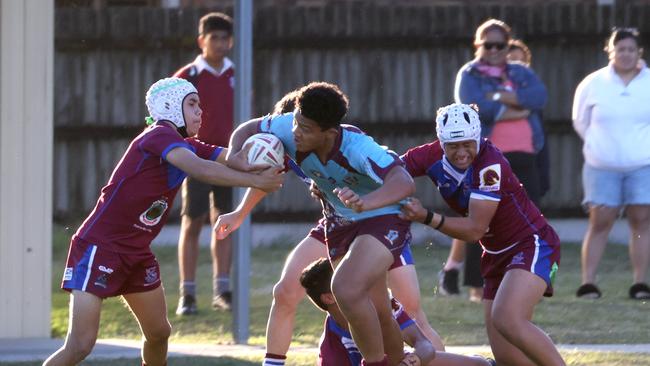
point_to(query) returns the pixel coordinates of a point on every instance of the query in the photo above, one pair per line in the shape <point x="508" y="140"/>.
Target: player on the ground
<point x="362" y="184"/>
<point x="521" y="251"/>
<point x="336" y="345"/>
<point x="110" y="253"/>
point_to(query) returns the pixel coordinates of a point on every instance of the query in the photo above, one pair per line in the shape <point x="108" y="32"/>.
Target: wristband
<point x="442" y="221"/>
<point x="429" y="218"/>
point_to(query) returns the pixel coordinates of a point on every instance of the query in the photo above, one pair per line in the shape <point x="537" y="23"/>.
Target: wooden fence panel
<point x="396" y="61"/>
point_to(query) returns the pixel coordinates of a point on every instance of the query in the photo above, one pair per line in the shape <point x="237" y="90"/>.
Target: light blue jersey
<point x="356" y="161"/>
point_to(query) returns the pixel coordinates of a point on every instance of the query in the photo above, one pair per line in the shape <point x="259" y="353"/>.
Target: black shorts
<point x="199" y="198"/>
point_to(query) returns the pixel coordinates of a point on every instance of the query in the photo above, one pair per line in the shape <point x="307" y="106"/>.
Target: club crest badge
<point x="154" y="213"/>
<point x="490" y="178"/>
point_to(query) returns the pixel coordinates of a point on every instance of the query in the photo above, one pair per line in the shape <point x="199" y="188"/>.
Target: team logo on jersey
<point x="150" y="275"/>
<point x="154" y="213"/>
<point x="391" y="236"/>
<point x="232" y="82"/>
<point x="490" y="178"/>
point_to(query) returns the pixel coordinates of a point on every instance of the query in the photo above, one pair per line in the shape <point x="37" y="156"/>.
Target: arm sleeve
<point x="204" y="150"/>
<point x="281" y="126"/>
<point x="372" y="159"/>
<point x="160" y="141"/>
<point x="489" y="178"/>
<point x="581" y="111"/>
<point x="418" y="159"/>
<point x="532" y="93"/>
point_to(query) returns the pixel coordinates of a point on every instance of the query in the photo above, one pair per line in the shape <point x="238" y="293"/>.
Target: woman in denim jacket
<point x="510" y="98"/>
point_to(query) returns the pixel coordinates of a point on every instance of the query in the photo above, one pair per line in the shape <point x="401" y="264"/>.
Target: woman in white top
<point x="611" y="113"/>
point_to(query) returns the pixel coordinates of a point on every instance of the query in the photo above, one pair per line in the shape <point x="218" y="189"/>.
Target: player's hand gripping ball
<point x="266" y="150"/>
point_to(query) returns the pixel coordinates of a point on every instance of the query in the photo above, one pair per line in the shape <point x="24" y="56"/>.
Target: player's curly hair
<point x="316" y="279"/>
<point x="323" y="103"/>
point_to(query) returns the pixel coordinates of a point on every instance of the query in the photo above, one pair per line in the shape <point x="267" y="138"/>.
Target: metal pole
<point x="242" y="238"/>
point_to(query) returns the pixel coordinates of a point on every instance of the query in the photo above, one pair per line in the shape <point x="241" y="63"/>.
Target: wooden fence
<point x="397" y="62"/>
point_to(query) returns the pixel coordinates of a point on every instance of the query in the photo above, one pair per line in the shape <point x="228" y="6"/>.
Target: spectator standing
<point x="612" y="116"/>
<point x="212" y="73"/>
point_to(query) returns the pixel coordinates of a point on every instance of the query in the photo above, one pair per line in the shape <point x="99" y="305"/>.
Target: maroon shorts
<point x="393" y="232"/>
<point x="104" y="273"/>
<point x="538" y="254"/>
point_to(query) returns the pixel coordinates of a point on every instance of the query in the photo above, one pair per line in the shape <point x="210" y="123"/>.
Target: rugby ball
<point x="266" y="150"/>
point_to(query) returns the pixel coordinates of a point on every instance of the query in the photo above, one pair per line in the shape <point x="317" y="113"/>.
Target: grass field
<point x="612" y="319"/>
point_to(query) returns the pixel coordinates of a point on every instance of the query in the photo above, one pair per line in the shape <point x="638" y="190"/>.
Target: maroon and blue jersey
<point x="337" y="348"/>
<point x="488" y="178"/>
<point x="134" y="204"/>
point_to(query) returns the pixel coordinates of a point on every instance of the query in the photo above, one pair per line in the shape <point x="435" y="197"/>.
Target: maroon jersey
<point x="488" y="178"/>
<point x="337" y="348"/>
<point x="217" y="99"/>
<point x="134" y="204"/>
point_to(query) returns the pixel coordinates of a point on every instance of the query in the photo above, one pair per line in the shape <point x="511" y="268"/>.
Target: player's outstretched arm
<point x="218" y="174"/>
<point x="470" y="228"/>
<point x="231" y="221"/>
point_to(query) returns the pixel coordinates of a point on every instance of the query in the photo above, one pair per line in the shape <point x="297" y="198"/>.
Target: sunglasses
<point x="498" y="45"/>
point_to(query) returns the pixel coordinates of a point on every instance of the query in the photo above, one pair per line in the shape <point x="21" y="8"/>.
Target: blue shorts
<point x="613" y="188"/>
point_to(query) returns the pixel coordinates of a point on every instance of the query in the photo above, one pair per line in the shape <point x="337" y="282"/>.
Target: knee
<point x="191" y="226"/>
<point x="346" y="293"/>
<point x="286" y="295"/>
<point x="506" y="323"/>
<point x="411" y="305"/>
<point x="159" y="334"/>
<point x="79" y="348"/>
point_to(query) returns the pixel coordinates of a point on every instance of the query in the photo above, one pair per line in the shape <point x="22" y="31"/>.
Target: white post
<point x="242" y="238"/>
<point x="26" y="100"/>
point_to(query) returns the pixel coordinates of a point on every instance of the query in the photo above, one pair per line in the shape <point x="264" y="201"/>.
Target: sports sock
<point x="221" y="284"/>
<point x="188" y="288"/>
<point x="271" y="359"/>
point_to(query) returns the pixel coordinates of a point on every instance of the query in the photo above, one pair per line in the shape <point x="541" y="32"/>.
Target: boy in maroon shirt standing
<point x="212" y="73"/>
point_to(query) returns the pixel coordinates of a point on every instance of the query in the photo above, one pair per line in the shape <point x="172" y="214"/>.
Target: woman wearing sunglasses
<point x="510" y="98"/>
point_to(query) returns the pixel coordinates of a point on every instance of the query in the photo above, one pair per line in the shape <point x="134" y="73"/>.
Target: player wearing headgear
<point x="110" y="253"/>
<point x="521" y="251"/>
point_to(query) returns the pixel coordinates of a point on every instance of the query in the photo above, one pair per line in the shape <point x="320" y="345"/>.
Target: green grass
<point x="612" y="319"/>
<point x="572" y="358"/>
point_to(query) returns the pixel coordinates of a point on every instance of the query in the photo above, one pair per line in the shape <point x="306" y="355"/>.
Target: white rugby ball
<point x="267" y="149"/>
